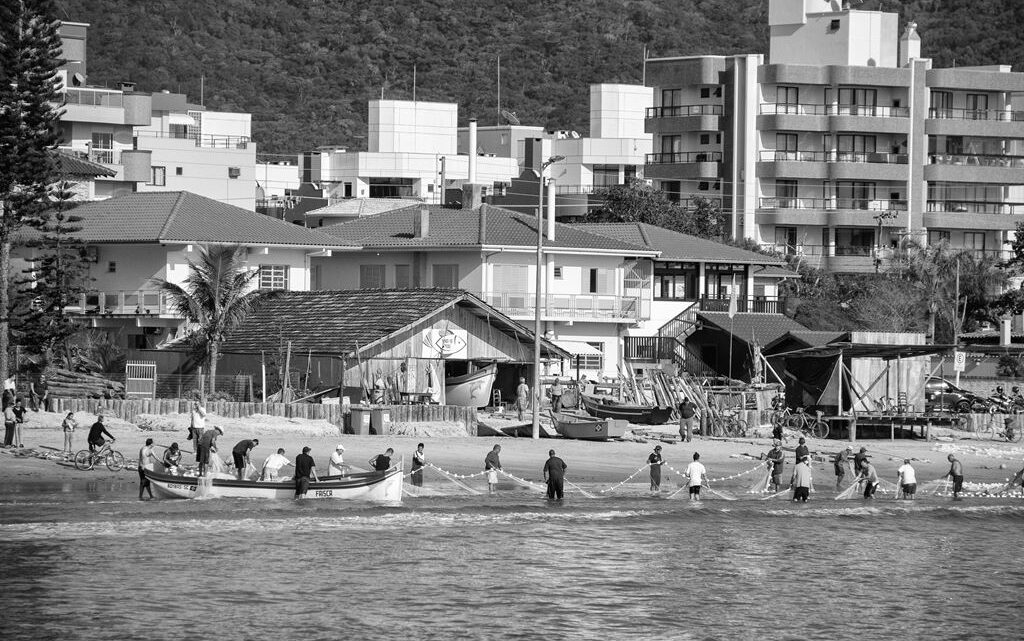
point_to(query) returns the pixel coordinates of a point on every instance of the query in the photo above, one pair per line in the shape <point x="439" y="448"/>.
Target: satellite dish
<point x="78" y="80"/>
<point x="510" y="116"/>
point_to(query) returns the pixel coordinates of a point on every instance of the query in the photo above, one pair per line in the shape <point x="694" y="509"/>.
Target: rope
<point x="626" y="480"/>
<point x="581" y="490"/>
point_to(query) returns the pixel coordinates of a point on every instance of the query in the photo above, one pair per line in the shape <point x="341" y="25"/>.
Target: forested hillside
<point x="305" y="68"/>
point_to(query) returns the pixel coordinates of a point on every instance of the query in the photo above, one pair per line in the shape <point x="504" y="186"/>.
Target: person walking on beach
<point x="10" y="420"/>
<point x="382" y="462"/>
<point x="956" y="471"/>
<point x="906" y="478"/>
<point x="240" y="455"/>
<point x="696" y="472"/>
<point x="419" y="461"/>
<point x="556" y="396"/>
<point x="802" y="450"/>
<point x="801" y="481"/>
<point x="272" y="465"/>
<point x="172" y="459"/>
<point x="197" y="425"/>
<point x="336" y="465"/>
<point x="777" y="462"/>
<point x="146" y="460"/>
<point x="687" y="420"/>
<point x="522" y="397"/>
<point x="654" y="461"/>
<point x="39" y="394"/>
<point x="841" y="463"/>
<point x="554" y="476"/>
<point x="69" y="424"/>
<point x="869" y="476"/>
<point x="491" y="465"/>
<point x="96" y="434"/>
<point x="305" y="467"/>
<point x="206" y="445"/>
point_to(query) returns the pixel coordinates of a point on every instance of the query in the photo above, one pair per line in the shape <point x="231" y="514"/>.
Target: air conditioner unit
<point x="234" y="172"/>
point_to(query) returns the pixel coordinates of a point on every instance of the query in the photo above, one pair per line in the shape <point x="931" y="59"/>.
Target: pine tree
<point x="30" y="50"/>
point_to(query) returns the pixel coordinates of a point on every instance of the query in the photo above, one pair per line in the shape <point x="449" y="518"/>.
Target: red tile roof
<point x="676" y="246"/>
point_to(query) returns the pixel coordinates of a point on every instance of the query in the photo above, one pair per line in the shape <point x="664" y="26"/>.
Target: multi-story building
<point x="844" y="140"/>
<point x="152" y="142"/>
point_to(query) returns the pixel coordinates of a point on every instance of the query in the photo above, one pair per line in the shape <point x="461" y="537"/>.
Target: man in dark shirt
<point x="240" y="454"/>
<point x="96" y="433"/>
<point x="859" y="459"/>
<point x="305" y="467"/>
<point x="687" y="420"/>
<point x="777" y="462"/>
<point x="382" y="462"/>
<point x="207" y="444"/>
<point x="802" y="450"/>
<point x="554" y="474"/>
<point x="491" y="465"/>
<point x="841" y="462"/>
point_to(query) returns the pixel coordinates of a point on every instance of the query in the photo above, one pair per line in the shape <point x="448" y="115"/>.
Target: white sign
<point x="445" y="343"/>
<point x="959" y="361"/>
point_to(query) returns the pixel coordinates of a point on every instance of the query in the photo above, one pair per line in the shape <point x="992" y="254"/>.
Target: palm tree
<point x="215" y="297"/>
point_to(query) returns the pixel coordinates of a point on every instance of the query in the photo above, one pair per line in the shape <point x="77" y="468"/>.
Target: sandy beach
<point x="589" y="462"/>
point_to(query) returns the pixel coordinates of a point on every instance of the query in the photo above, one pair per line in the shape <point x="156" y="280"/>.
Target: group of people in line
<point x="695" y="473"/>
<point x="14" y="409"/>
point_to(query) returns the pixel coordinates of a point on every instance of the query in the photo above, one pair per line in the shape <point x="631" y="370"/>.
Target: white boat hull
<point x="471" y="390"/>
<point x="368" y="486"/>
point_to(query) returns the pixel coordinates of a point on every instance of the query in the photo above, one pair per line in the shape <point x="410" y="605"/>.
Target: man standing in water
<point x="801" y="481"/>
<point x="554" y="475"/>
<point x="207" y="444"/>
<point x="841" y="462"/>
<point x="522" y="397"/>
<point x="907" y="479"/>
<point x="696" y="472"/>
<point x="859" y="460"/>
<point x="491" y="465"/>
<point x="869" y="477"/>
<point x="146" y="460"/>
<point x="655" y="462"/>
<point x="419" y="461"/>
<point x="776" y="461"/>
<point x="305" y="468"/>
<point x="802" y="451"/>
<point x="956" y="470"/>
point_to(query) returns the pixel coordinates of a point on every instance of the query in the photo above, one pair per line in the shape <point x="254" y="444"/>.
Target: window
<point x="938" y="236"/>
<point x="854" y="241"/>
<point x="446" y="276"/>
<point x="599" y="281"/>
<point x="318" y="278"/>
<point x="672" y="189"/>
<point x="273" y="276"/>
<point x="834" y="25"/>
<point x="592" y="361"/>
<point x="371" y="277"/>
<point x="705" y="92"/>
<point x="855" y="148"/>
<point x="785" y="239"/>
<point x="177" y="131"/>
<point x="856" y="101"/>
<point x="178" y="171"/>
<point x="942" y="104"/>
<point x="671" y="98"/>
<point x="676" y="281"/>
<point x="606" y="175"/>
<point x="974" y="240"/>
<point x="786" y="147"/>
<point x="112" y="267"/>
<point x="786" y="193"/>
<point x="557" y="272"/>
<point x="703" y="185"/>
<point x="234" y="172"/>
<point x="671" y="144"/>
<point x="628" y="173"/>
<point x="705" y="139"/>
<point x="787" y="99"/>
<point x="718" y="138"/>
<point x="102" y="148"/>
<point x="854" y="194"/>
<point x="977" y="106"/>
<point x="402" y="279"/>
<point x="158" y="176"/>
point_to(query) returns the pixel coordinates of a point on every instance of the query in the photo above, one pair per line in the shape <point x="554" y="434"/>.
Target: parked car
<point x="941" y="395"/>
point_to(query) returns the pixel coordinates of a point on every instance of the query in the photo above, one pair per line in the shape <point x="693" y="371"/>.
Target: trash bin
<point x="359" y="420"/>
<point x="380" y="420"/>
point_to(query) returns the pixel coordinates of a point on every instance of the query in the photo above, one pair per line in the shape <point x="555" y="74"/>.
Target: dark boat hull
<point x="633" y="413"/>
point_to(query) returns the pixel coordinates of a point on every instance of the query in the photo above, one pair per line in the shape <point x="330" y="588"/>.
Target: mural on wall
<point x="445" y="343"/>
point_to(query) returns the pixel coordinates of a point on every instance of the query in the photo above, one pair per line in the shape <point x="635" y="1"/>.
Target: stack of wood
<point x="67" y="384"/>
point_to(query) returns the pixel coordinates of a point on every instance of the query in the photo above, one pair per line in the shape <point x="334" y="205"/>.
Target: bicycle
<point x="807" y="424"/>
<point x="729" y="424"/>
<point x="86" y="460"/>
<point x="1010" y="432"/>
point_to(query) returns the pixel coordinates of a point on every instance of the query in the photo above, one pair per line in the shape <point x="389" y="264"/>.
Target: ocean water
<point x="87" y="561"/>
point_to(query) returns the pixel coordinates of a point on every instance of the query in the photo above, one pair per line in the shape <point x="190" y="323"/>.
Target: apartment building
<point x="844" y="140"/>
<point x="152" y="141"/>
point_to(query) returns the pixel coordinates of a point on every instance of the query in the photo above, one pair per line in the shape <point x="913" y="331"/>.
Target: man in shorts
<point x="906" y="478"/>
<point x="956" y="471"/>
<point x="868" y="476"/>
<point x="687" y="420"/>
<point x="305" y="468"/>
<point x="240" y="455"/>
<point x="841" y="463"/>
<point x="207" y="444"/>
<point x="491" y="465"/>
<point x="696" y="472"/>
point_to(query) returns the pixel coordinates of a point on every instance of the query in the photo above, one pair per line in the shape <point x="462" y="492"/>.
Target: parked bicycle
<point x="729" y="423"/>
<point x="801" y="421"/>
<point x="1010" y="431"/>
<point x="86" y="460"/>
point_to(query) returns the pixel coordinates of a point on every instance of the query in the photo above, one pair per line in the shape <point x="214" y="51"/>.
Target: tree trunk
<point x="5" y="298"/>
<point x="213" y="366"/>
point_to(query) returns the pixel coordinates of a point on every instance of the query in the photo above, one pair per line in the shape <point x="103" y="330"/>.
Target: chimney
<point x="472" y="151"/>
<point x="910" y="45"/>
<point x="421" y="224"/>
<point x="1005" y="336"/>
<point x="472" y="196"/>
<point x="483" y="226"/>
<point x="551" y="210"/>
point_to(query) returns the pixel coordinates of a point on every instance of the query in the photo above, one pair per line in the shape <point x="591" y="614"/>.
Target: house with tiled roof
<point x="592" y="287"/>
<point x="134" y="239"/>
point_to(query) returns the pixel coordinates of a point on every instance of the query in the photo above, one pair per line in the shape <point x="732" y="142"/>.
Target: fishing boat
<point x="609" y="408"/>
<point x="471" y="390"/>
<point x="364" y="486"/>
<point x="585" y="428"/>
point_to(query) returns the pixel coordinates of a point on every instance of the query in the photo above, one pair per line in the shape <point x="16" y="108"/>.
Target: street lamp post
<point x="537" y="302"/>
<point x="885" y="215"/>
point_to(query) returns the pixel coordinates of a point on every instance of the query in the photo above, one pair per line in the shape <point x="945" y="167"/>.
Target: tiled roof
<point x="356" y="207"/>
<point x="749" y="327"/>
<point x="335" y="322"/>
<point x="813" y="339"/>
<point x="181" y="216"/>
<point x="676" y="246"/>
<point x="469" y="228"/>
<point x="69" y="165"/>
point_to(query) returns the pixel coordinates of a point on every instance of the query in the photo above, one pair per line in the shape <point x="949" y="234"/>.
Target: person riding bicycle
<point x="96" y="433"/>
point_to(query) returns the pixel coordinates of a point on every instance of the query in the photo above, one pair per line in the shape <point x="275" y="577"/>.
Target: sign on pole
<point x="959" y="361"/>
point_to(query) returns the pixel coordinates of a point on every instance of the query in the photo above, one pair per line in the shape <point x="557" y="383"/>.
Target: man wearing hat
<point x="207" y="444"/>
<point x="776" y="462"/>
<point x="336" y="466"/>
<point x="655" y="462"/>
<point x="906" y="478"/>
<point x="841" y="462"/>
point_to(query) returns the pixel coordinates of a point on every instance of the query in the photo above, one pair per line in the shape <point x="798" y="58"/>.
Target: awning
<point x="579" y="348"/>
<point x="181" y="119"/>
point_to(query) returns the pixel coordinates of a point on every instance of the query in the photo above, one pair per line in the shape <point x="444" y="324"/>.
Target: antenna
<point x="510" y="116"/>
<point x="414" y="83"/>
<point x="499" y="83"/>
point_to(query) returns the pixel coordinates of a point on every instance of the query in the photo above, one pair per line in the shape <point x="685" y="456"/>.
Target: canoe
<point x="471" y="390"/>
<point x="585" y="428"/>
<point x="645" y="414"/>
<point x="364" y="486"/>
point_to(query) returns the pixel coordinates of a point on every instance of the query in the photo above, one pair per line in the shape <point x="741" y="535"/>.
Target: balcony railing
<point x="94" y="97"/>
<point x="831" y="204"/>
<point x="684" y="157"/>
<point x="568" y="306"/>
<point x="102" y="156"/>
<point x="998" y="115"/>
<point x="885" y="253"/>
<point x="690" y="203"/>
<point x="978" y="160"/>
<point x="751" y="304"/>
<point x="975" y="207"/>
<point x="776" y="155"/>
<point x="206" y="141"/>
<point x="679" y="111"/>
<point x="124" y="302"/>
<point x="803" y="109"/>
<point x="650" y="348"/>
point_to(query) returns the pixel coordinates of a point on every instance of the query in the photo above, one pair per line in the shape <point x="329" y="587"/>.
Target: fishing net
<point x="535" y="487"/>
<point x="449" y="477"/>
<point x="780" y="494"/>
<point x="761" y="481"/>
<point x="581" y="490"/>
<point x="856" y="490"/>
<point x="722" y="495"/>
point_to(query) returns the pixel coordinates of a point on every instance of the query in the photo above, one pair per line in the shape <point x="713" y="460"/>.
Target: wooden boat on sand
<point x="586" y="428"/>
<point x="363" y="486"/>
<point x="471" y="390"/>
<point x="643" y="414"/>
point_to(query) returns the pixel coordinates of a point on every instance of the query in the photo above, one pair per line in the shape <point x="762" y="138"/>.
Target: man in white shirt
<point x="337" y="465"/>
<point x="801" y="481"/>
<point x="696" y="472"/>
<point x="197" y="425"/>
<point x="907" y="479"/>
<point x="272" y="466"/>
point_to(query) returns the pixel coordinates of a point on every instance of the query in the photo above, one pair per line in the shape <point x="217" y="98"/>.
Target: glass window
<point x="671" y="98"/>
<point x="273" y="277"/>
<point x="942" y="104"/>
<point x="606" y="175"/>
<point x="371" y="277"/>
<point x="402" y="280"/>
<point x="974" y="240"/>
<point x="592" y="361"/>
<point x="857" y="101"/>
<point x="102" y="148"/>
<point x="446" y="276"/>
<point x="788" y="99"/>
<point x="977" y="106"/>
<point x="938" y="236"/>
<point x="854" y="241"/>
<point x="786" y="146"/>
<point x="851" y="194"/>
<point x="158" y="176"/>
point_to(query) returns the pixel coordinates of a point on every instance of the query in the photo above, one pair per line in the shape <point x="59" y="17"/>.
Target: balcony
<point x="976" y="207"/>
<point x="972" y="214"/>
<point x="839" y="165"/>
<point x="977" y="168"/>
<point x="683" y="118"/>
<point x="827" y="211"/>
<point x="683" y="157"/>
<point x="684" y="165"/>
<point x="204" y="141"/>
<point x="751" y="305"/>
<point x="803" y="109"/>
<point x="140" y="302"/>
<point x="576" y="307"/>
<point x="649" y="348"/>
